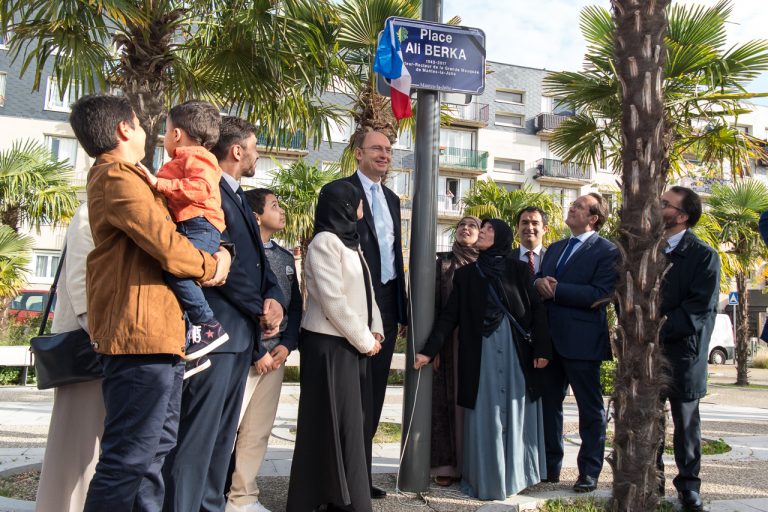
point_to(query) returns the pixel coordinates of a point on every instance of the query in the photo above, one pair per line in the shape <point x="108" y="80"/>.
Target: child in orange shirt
<point x="190" y="184"/>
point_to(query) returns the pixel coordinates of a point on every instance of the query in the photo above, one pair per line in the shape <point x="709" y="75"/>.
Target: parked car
<point x="29" y="304"/>
<point x="721" y="344"/>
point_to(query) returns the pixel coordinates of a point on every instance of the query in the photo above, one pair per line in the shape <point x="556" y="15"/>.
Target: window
<point x="562" y="196"/>
<point x="404" y="140"/>
<point x="340" y="131"/>
<point x="46" y="265"/>
<point x="504" y="119"/>
<point x="509" y="96"/>
<point x="3" y="77"/>
<point x="62" y="149"/>
<point x="746" y="130"/>
<point x="562" y="107"/>
<point x="444" y="237"/>
<point x="266" y="166"/>
<point x="450" y="192"/>
<point x="504" y="164"/>
<point x="399" y="182"/>
<point x="460" y="139"/>
<point x="53" y="97"/>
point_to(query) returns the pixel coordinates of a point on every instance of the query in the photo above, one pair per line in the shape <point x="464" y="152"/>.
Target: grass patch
<point x="733" y="385"/>
<point x="708" y="446"/>
<point x="387" y="433"/>
<point x="760" y="359"/>
<point x="22" y="486"/>
<point x="291" y="374"/>
<point x="590" y="504"/>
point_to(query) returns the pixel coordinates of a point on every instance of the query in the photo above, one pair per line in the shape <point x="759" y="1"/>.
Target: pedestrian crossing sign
<point x="733" y="298"/>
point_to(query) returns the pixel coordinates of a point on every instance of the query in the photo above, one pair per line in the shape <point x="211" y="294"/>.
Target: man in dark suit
<point x="532" y="224"/>
<point x="576" y="276"/>
<point x="249" y="302"/>
<point x="689" y="301"/>
<point x="380" y="240"/>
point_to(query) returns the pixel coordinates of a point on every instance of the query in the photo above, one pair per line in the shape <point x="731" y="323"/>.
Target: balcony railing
<point x="464" y="158"/>
<point x="558" y="169"/>
<point x="284" y="140"/>
<point x="476" y="112"/>
<point x="548" y="121"/>
<point x="449" y="205"/>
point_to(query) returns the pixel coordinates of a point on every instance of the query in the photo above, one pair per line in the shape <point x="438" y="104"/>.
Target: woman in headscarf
<point x="447" y="418"/>
<point x="340" y="328"/>
<point x="503" y="341"/>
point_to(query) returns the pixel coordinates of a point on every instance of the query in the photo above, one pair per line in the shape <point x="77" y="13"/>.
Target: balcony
<point x="449" y="206"/>
<point x="464" y="159"/>
<point x="474" y="114"/>
<point x="546" y="123"/>
<point x="284" y="143"/>
<point x="561" y="171"/>
<point x="702" y="184"/>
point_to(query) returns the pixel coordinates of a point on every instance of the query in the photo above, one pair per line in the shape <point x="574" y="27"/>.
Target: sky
<point x="545" y="33"/>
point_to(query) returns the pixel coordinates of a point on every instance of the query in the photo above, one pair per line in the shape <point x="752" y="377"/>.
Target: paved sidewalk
<point x="26" y="410"/>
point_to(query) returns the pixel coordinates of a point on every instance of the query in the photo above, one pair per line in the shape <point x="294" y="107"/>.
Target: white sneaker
<point x="250" y="507"/>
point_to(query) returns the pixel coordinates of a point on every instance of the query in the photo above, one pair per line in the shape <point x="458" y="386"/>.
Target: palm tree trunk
<point x="639" y="57"/>
<point x="10" y="217"/>
<point x="742" y="331"/>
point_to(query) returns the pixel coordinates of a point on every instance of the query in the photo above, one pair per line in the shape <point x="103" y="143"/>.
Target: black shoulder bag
<point x="66" y="357"/>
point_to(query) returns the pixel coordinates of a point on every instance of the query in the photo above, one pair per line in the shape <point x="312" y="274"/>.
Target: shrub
<point x="607" y="376"/>
<point x="14" y="332"/>
<point x="760" y="359"/>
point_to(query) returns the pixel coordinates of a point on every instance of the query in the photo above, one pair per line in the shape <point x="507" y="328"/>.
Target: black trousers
<point x="686" y="441"/>
<point x="195" y="471"/>
<point x="380" y="364"/>
<point x="584" y="378"/>
<point x="142" y="398"/>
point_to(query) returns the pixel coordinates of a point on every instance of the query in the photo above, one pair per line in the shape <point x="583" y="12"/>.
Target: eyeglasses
<point x="379" y="149"/>
<point x="665" y="204"/>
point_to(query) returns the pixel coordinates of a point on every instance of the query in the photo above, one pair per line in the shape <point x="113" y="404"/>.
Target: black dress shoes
<point x="691" y="501"/>
<point x="551" y="479"/>
<point x="377" y="494"/>
<point x="585" y="484"/>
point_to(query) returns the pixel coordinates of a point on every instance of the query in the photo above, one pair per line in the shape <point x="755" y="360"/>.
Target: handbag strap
<point x="52" y="293"/>
<point x="497" y="300"/>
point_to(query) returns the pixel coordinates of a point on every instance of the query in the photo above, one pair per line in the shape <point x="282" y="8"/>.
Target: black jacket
<point x="689" y="301"/>
<point x="370" y="246"/>
<point x="466" y="308"/>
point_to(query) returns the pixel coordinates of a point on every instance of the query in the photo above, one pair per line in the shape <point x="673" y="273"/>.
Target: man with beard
<point x="248" y="304"/>
<point x="689" y="301"/>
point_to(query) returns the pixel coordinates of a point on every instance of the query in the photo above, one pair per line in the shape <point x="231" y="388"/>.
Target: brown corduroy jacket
<point x="130" y="308"/>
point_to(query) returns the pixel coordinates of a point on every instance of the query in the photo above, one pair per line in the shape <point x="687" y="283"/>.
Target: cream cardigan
<point x="336" y="299"/>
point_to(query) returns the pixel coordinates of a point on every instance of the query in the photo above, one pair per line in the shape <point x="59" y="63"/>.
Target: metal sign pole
<point x="417" y="400"/>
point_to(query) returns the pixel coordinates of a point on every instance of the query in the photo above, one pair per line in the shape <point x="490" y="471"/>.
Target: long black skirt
<point x="329" y="461"/>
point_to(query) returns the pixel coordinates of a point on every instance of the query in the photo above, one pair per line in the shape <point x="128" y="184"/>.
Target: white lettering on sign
<point x="444" y="51"/>
<point x="437" y="37"/>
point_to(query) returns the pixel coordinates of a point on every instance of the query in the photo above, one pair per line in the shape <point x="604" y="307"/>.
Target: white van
<point x="721" y="343"/>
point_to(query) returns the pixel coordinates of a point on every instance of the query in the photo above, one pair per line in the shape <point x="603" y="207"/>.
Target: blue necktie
<point x="387" y="272"/>
<point x="566" y="254"/>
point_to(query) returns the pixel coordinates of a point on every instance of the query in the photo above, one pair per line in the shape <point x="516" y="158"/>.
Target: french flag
<point x="389" y="62"/>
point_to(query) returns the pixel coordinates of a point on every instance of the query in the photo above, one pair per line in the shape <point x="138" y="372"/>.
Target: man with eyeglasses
<point x="380" y="240"/>
<point x="689" y="302"/>
<point x="577" y="275"/>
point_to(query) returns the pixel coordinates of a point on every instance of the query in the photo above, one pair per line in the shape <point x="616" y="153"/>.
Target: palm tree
<point x="267" y="59"/>
<point x="737" y="208"/>
<point x="34" y="188"/>
<point x="639" y="56"/>
<point x="488" y="200"/>
<point x="361" y="22"/>
<point x="297" y="187"/>
<point x="704" y="84"/>
<point x="14" y="258"/>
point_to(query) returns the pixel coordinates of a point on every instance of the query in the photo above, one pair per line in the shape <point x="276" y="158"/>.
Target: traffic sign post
<point x="733" y="300"/>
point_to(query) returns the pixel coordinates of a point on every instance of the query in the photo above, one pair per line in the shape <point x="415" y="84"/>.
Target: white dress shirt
<point x="382" y="199"/>
<point x="581" y="239"/>
<point x="536" y="257"/>
<point x="673" y="241"/>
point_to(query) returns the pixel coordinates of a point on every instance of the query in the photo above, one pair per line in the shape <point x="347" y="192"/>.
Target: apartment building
<point x="503" y="134"/>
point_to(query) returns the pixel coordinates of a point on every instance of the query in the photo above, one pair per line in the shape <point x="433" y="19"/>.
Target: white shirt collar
<point x="366" y="181"/>
<point x="674" y="240"/>
<point x="536" y="250"/>
<point x="232" y="182"/>
<point x="584" y="236"/>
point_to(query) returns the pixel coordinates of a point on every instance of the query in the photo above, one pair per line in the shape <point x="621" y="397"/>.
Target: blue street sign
<point x="733" y="299"/>
<point x="442" y="57"/>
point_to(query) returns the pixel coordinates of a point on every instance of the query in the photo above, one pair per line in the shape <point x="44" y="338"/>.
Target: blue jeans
<point x="142" y="398"/>
<point x="206" y="237"/>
